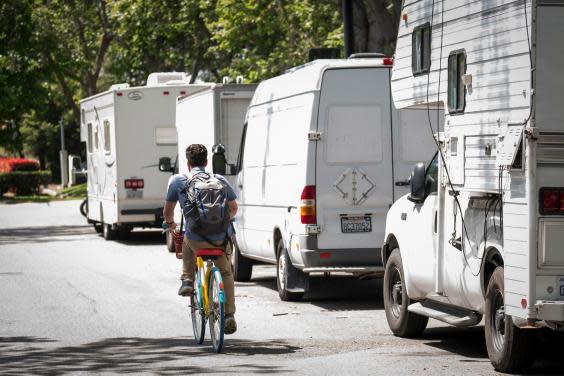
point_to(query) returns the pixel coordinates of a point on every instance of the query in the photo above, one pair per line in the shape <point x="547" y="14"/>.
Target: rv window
<point x="90" y="139"/>
<point x="421" y="49"/>
<point x="96" y="146"/>
<point x="456" y="88"/>
<point x="107" y="146"/>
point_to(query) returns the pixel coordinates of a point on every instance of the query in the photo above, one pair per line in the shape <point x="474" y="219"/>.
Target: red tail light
<point x="307" y="207"/>
<point x="552" y="200"/>
<point x="388" y="61"/>
<point x="182" y="92"/>
<point x="134" y="183"/>
<point x="166" y="92"/>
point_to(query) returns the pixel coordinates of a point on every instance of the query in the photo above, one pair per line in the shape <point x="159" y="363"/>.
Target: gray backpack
<point x="206" y="210"/>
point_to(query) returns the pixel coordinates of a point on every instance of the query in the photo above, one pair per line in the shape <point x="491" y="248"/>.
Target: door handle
<point x="402" y="183"/>
<point x="240" y="185"/>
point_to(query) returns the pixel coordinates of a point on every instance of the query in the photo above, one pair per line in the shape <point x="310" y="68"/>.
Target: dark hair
<point x="197" y="155"/>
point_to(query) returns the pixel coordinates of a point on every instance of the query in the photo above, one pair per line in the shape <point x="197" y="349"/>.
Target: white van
<point x="126" y="130"/>
<point x="210" y="117"/>
<point x="321" y="152"/>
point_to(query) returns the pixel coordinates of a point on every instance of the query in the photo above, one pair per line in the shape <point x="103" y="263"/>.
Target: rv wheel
<point x="242" y="266"/>
<point x="109" y="233"/>
<point x="124" y="232"/>
<point x="402" y="322"/>
<point x="98" y="227"/>
<point x="170" y="242"/>
<point x="288" y="277"/>
<point x="510" y="348"/>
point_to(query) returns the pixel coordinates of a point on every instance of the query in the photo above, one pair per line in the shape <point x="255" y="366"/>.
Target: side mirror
<point x="165" y="164"/>
<point x="417" y="183"/>
<point x="219" y="162"/>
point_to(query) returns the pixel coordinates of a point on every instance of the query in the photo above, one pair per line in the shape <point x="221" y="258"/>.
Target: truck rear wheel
<point x="109" y="233"/>
<point x="402" y="322"/>
<point x="287" y="276"/>
<point x="242" y="266"/>
<point x="510" y="348"/>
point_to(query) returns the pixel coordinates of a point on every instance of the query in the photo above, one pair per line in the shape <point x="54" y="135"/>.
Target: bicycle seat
<point x="210" y="252"/>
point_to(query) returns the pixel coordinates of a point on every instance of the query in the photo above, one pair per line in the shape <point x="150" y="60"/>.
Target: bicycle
<point x="207" y="302"/>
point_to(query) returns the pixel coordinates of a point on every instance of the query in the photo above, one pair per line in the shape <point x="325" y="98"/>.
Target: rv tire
<point x="401" y="322"/>
<point x="242" y="266"/>
<point x="291" y="281"/>
<point x="109" y="233"/>
<point x="510" y="348"/>
<point x="98" y="227"/>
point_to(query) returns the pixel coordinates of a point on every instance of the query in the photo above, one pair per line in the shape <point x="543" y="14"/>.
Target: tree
<point x="376" y="25"/>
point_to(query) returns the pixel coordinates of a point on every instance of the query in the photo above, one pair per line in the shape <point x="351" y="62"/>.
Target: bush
<point x="18" y="164"/>
<point x="23" y="182"/>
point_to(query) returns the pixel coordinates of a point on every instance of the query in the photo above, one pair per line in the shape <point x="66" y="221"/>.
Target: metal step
<point x="445" y="313"/>
<point x="344" y="269"/>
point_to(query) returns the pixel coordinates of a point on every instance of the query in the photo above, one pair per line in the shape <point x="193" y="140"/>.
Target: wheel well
<point x="388" y="247"/>
<point x="277" y="236"/>
<point x="492" y="260"/>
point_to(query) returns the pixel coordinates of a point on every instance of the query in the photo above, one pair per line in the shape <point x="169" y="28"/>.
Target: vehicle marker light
<point x="166" y="92"/>
<point x="134" y="183"/>
<point x="523" y="303"/>
<point x="307" y="207"/>
<point x="325" y="255"/>
<point x="388" y="61"/>
<point x="119" y="93"/>
<point x="183" y="92"/>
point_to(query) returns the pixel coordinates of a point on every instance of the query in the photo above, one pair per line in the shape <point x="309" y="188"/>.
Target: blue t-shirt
<point x="175" y="193"/>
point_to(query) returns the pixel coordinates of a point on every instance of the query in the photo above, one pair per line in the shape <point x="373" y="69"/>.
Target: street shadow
<point x="47" y="233"/>
<point x="338" y="293"/>
<point x="167" y="356"/>
<point x="144" y="237"/>
<point x="470" y="343"/>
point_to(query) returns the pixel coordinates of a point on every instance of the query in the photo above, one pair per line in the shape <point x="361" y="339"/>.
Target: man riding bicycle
<point x="196" y="155"/>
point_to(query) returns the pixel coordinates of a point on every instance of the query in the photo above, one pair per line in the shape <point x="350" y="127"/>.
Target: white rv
<point x="481" y="234"/>
<point x="210" y="117"/>
<point x="126" y="130"/>
<point x="321" y="152"/>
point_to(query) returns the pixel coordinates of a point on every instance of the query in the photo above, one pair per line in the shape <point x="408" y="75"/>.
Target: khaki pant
<point x="189" y="248"/>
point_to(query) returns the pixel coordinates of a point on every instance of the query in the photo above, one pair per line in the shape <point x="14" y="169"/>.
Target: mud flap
<point x="298" y="281"/>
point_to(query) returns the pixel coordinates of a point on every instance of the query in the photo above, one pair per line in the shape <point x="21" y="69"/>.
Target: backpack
<point x="206" y="210"/>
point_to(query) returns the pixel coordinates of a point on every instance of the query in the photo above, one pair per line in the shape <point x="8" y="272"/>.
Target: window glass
<point x="107" y="144"/>
<point x="432" y="175"/>
<point x="96" y="146"/>
<point x="456" y="88"/>
<point x="90" y="138"/>
<point x="421" y="49"/>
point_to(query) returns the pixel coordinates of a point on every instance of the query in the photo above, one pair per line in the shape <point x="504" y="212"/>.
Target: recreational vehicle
<point x="481" y="233"/>
<point x="126" y="129"/>
<point x="214" y="116"/>
<point x="323" y="156"/>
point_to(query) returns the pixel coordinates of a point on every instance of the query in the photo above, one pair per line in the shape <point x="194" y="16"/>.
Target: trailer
<point x="210" y="117"/>
<point x="481" y="232"/>
<point x="126" y="129"/>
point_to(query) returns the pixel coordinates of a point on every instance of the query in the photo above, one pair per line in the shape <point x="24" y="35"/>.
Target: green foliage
<point x="76" y="191"/>
<point x="24" y="182"/>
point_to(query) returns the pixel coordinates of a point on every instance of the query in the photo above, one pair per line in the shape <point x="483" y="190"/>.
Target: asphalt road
<point x="73" y="303"/>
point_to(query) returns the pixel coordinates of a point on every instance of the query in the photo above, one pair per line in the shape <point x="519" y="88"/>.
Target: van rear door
<point x="354" y="185"/>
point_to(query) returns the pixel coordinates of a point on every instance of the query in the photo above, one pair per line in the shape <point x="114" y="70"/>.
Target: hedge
<point x="23" y="183"/>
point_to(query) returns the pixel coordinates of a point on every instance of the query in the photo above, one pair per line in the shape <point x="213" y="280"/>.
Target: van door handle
<point x="240" y="185"/>
<point x="402" y="183"/>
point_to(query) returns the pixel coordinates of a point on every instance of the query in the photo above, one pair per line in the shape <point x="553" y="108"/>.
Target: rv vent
<point x="119" y="86"/>
<point x="167" y="78"/>
<point x="367" y="55"/>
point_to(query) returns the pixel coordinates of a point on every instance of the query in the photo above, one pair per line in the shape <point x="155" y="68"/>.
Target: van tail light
<point x="134" y="183"/>
<point x="552" y="200"/>
<point x="388" y="61"/>
<point x="307" y="207"/>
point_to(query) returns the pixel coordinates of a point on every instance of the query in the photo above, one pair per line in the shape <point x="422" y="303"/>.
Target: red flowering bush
<point x="18" y="164"/>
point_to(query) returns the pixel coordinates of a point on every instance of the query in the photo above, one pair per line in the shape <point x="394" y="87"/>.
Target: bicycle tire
<point x="197" y="312"/>
<point x="217" y="309"/>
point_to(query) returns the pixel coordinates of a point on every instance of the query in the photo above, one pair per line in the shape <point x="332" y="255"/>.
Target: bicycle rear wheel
<point x="197" y="312"/>
<point x="217" y="309"/>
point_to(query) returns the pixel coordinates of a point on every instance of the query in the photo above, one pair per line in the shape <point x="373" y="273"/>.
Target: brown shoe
<point x="186" y="288"/>
<point x="230" y="324"/>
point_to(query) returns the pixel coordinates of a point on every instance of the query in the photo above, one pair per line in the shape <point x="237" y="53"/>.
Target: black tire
<point x="170" y="242"/>
<point x="401" y="322"/>
<point x="108" y="232"/>
<point x="84" y="208"/>
<point x="98" y="227"/>
<point x="197" y="313"/>
<point x="285" y="271"/>
<point x="216" y="299"/>
<point x="510" y="349"/>
<point x="242" y="266"/>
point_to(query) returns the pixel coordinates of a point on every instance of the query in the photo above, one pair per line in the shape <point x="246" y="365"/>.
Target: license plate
<point x="356" y="224"/>
<point x="131" y="194"/>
